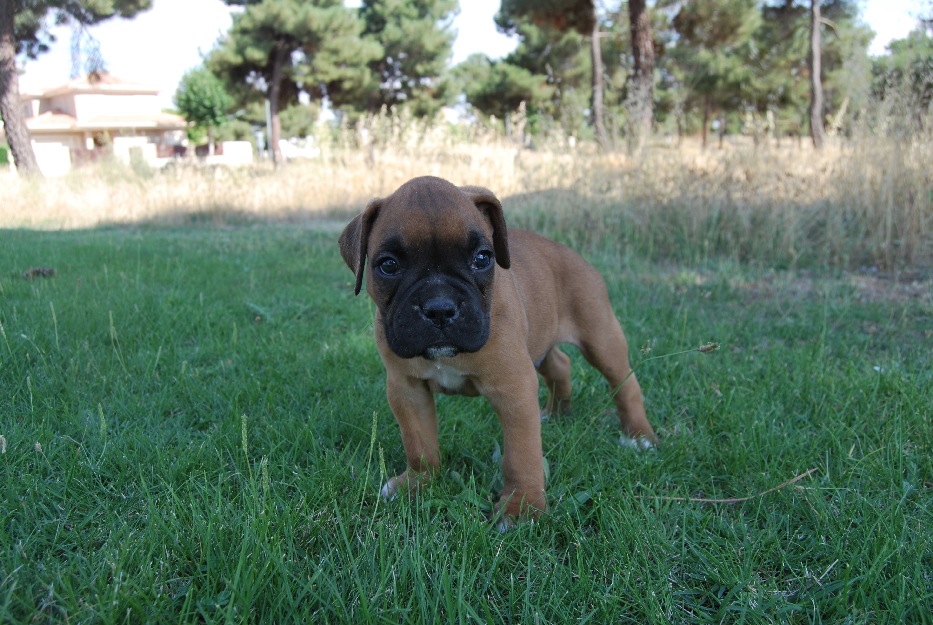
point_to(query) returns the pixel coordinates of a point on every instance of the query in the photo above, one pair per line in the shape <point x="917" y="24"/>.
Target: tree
<point x="817" y="132"/>
<point x="715" y="38"/>
<point x="908" y="69"/>
<point x="643" y="76"/>
<point x="498" y="87"/>
<point x="203" y="101"/>
<point x="596" y="99"/>
<point x="277" y="49"/>
<point x="564" y="16"/>
<point x="22" y="24"/>
<point x="417" y="39"/>
<point x="560" y="60"/>
<point x="781" y="60"/>
<point x="578" y="15"/>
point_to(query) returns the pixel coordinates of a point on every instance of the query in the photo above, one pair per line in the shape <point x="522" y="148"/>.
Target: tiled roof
<point x="96" y="82"/>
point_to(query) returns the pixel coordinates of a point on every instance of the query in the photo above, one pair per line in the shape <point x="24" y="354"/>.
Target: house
<point x="86" y="118"/>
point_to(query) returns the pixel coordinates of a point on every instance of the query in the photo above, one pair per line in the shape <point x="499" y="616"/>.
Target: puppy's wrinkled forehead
<point x="430" y="210"/>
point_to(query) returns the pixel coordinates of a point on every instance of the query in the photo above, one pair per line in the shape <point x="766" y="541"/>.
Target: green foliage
<point x="197" y="135"/>
<point x="299" y="120"/>
<point x="909" y="62"/>
<point x="554" y="46"/>
<point x="714" y="45"/>
<point x="549" y="71"/>
<point x="317" y="43"/>
<point x="732" y="59"/>
<point x="416" y="38"/>
<point x="236" y="130"/>
<point x="781" y="66"/>
<point x="202" y="99"/>
<point x="279" y="49"/>
<point x="194" y="429"/>
<point x="499" y="87"/>
<point x="744" y="57"/>
<point x="563" y="15"/>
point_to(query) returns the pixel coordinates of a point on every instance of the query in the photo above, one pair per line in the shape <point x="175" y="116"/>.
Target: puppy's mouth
<point x="440" y="351"/>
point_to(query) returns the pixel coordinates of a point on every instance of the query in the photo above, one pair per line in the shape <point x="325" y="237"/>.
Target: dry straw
<point x="866" y="200"/>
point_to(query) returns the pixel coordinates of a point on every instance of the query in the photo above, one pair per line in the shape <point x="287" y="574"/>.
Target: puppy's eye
<point x="388" y="267"/>
<point x="482" y="260"/>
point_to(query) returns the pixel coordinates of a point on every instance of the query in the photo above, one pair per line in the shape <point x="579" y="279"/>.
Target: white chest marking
<point x="447" y="377"/>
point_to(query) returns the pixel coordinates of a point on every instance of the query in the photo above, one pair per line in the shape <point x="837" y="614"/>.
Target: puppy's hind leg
<point x="555" y="369"/>
<point x="608" y="352"/>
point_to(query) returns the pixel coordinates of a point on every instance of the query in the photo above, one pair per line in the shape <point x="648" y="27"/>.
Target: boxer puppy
<point x="466" y="307"/>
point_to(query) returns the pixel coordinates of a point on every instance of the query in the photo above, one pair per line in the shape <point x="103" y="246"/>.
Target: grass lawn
<point x="195" y="429"/>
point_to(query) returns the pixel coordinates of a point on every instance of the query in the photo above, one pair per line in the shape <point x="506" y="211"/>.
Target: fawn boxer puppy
<point x="468" y="307"/>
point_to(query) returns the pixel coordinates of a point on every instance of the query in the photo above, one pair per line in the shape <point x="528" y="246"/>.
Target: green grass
<point x="196" y="431"/>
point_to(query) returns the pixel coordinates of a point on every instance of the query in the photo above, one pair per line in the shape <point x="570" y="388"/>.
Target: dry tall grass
<point x="866" y="200"/>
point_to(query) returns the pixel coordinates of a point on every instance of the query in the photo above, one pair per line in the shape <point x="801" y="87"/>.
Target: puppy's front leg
<point x="412" y="403"/>
<point x="515" y="400"/>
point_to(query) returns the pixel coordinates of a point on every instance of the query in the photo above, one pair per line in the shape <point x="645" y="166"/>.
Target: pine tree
<point x="713" y="48"/>
<point x="817" y="132"/>
<point x="498" y="87"/>
<point x="562" y="60"/>
<point x="642" y="81"/>
<point x="908" y="67"/>
<point x="782" y="66"/>
<point x="564" y="16"/>
<point x="417" y="39"/>
<point x="277" y="49"/>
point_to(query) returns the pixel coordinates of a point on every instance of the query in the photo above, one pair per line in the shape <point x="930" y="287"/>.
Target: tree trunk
<point x="275" y="94"/>
<point x="599" y="123"/>
<point x="11" y="105"/>
<point x="642" y="81"/>
<point x="707" y="111"/>
<point x="817" y="132"/>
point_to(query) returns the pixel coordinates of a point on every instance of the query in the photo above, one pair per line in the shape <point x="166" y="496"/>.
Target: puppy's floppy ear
<point x="489" y="205"/>
<point x="354" y="240"/>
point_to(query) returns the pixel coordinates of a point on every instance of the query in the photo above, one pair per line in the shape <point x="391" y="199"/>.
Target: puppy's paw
<point x="505" y="524"/>
<point x="389" y="490"/>
<point x="508" y="523"/>
<point x="409" y="481"/>
<point x="638" y="444"/>
<point x="517" y="507"/>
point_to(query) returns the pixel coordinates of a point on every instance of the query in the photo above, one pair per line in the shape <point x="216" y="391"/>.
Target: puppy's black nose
<point x="440" y="311"/>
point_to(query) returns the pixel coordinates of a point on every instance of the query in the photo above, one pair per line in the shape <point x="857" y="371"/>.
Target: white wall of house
<point x="54" y="158"/>
<point x="91" y="105"/>
<point x="69" y="140"/>
<point x="234" y="154"/>
<point x="125" y="147"/>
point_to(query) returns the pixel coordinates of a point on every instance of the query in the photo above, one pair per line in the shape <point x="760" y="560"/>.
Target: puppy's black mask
<point x="434" y="294"/>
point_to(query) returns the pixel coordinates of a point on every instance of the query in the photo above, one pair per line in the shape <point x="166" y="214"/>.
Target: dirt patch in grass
<point x="865" y="288"/>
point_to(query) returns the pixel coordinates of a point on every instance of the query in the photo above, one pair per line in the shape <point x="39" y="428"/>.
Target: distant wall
<point x="54" y="158"/>
<point x="232" y="153"/>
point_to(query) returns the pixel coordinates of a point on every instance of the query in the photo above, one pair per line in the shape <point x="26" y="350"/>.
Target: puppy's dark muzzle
<point x="439" y="311"/>
<point x="436" y="320"/>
